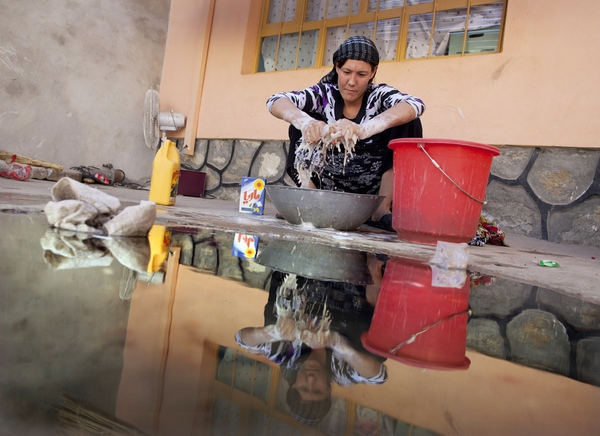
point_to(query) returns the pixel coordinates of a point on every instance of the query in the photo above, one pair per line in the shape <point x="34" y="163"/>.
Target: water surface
<point x="91" y="339"/>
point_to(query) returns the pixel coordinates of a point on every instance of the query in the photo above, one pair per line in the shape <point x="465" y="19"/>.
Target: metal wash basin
<point x="323" y="209"/>
<point x="316" y="261"/>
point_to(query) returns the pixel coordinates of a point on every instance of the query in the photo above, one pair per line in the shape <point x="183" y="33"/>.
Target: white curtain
<point x="446" y="23"/>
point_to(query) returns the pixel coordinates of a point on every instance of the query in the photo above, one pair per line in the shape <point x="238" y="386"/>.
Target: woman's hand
<point x="319" y="339"/>
<point x="347" y="131"/>
<point x="285" y="329"/>
<point x="314" y="131"/>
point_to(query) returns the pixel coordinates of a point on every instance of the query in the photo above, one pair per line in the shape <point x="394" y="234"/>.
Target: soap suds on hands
<point x="311" y="157"/>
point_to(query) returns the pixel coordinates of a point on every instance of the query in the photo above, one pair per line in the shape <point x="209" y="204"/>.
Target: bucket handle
<point x="414" y="337"/>
<point x="437" y="165"/>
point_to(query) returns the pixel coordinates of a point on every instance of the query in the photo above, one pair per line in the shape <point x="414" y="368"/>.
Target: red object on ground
<point x="15" y="170"/>
<point x="427" y="206"/>
<point x="101" y="178"/>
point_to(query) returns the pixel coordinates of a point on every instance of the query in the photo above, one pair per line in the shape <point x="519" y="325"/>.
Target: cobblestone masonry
<point x="543" y="192"/>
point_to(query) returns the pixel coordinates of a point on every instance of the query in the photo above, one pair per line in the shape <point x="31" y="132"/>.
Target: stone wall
<point x="547" y="193"/>
<point x="542" y="192"/>
<point x="210" y="252"/>
<point x="536" y="327"/>
<point x="225" y="162"/>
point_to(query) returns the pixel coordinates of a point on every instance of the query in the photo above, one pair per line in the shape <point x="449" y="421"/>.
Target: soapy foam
<point x="292" y="303"/>
<point x="311" y="157"/>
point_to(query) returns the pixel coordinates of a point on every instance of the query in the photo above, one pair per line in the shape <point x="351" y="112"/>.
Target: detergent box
<point x="252" y="195"/>
<point x="245" y="246"/>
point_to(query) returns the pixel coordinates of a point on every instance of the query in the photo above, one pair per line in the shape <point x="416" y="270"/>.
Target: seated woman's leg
<point x="387" y="190"/>
<point x="412" y="129"/>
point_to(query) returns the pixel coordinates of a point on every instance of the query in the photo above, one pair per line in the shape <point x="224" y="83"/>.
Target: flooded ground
<point x="279" y="338"/>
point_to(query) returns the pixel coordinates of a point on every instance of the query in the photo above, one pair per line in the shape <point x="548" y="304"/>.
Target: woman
<point x="347" y="103"/>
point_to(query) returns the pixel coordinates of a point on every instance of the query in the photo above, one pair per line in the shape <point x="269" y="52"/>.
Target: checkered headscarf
<point x="359" y="48"/>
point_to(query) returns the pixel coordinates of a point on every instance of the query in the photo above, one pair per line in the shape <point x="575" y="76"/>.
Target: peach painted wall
<point x="492" y="397"/>
<point x="167" y="370"/>
<point x="541" y="90"/>
<point x="165" y="378"/>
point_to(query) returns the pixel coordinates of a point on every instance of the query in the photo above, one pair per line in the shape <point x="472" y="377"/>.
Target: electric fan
<point x="156" y="121"/>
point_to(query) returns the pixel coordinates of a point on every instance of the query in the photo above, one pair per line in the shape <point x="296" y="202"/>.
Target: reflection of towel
<point x="81" y="208"/>
<point x="133" y="253"/>
<point x="447" y="278"/>
<point x="72" y="250"/>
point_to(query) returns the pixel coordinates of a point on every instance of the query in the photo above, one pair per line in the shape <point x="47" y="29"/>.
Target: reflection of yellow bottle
<point x="165" y="174"/>
<point x="160" y="241"/>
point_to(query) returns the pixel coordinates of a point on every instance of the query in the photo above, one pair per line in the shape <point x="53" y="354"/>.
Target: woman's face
<point x="311" y="382"/>
<point x="353" y="78"/>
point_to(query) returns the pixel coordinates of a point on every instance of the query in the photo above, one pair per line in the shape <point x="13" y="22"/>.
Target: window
<point x="247" y="396"/>
<point x="299" y="34"/>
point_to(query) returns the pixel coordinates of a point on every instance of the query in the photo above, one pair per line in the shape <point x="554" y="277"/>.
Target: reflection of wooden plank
<point x="29" y="161"/>
<point x="78" y="417"/>
<point x="171" y="285"/>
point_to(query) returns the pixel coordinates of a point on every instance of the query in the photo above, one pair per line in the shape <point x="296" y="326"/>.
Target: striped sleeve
<point x="389" y="96"/>
<point x="307" y="100"/>
<point x="345" y="375"/>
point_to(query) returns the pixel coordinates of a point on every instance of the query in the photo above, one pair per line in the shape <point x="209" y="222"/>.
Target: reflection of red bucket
<point x="439" y="188"/>
<point x="407" y="305"/>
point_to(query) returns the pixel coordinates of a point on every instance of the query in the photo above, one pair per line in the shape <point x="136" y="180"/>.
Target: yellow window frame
<point x="403" y="13"/>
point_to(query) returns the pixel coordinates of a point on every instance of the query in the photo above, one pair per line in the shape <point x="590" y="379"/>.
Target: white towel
<point x="132" y="221"/>
<point x="69" y="189"/>
<point x="81" y="208"/>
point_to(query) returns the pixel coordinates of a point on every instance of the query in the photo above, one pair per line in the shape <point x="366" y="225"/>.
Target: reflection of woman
<point x="313" y="359"/>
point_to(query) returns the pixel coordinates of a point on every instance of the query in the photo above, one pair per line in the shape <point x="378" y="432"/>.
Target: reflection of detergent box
<point x="252" y="195"/>
<point x="245" y="246"/>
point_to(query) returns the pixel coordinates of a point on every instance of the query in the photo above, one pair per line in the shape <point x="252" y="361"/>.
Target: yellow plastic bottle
<point x="159" y="238"/>
<point x="165" y="174"/>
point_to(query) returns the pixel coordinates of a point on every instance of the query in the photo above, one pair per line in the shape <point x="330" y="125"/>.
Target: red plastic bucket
<point x="430" y="322"/>
<point x="439" y="188"/>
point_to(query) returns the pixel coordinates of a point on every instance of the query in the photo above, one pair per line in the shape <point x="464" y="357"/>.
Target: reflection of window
<point x="304" y="33"/>
<point x="247" y="397"/>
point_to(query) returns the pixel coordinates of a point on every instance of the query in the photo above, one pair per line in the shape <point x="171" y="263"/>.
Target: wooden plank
<point x="191" y="130"/>
<point x="29" y="161"/>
